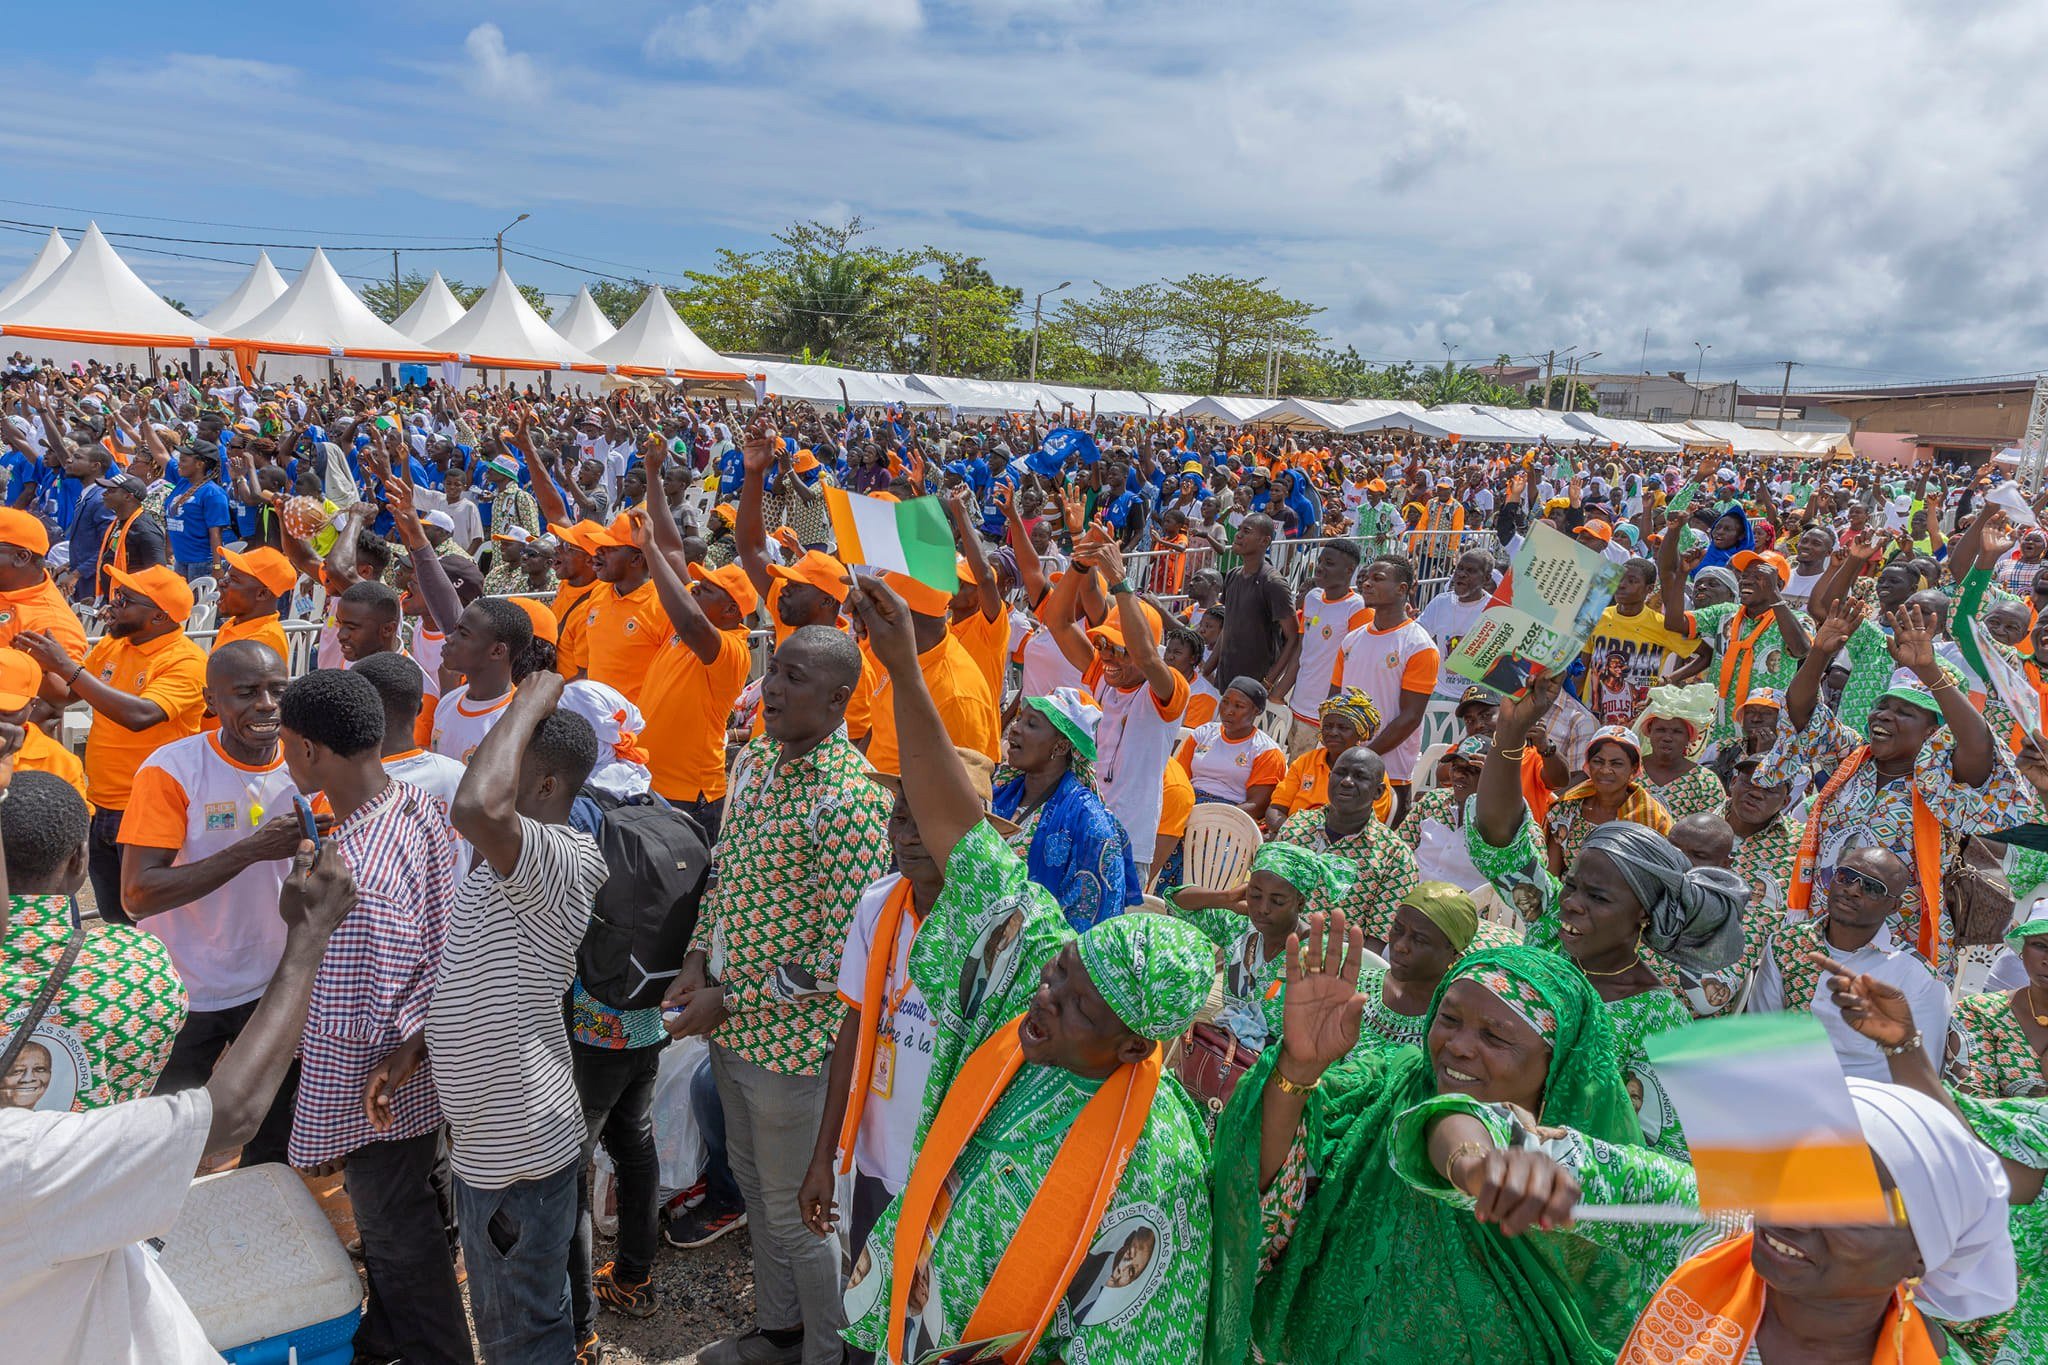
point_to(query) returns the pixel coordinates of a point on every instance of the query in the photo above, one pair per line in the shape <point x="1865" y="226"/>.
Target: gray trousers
<point x="771" y="1124"/>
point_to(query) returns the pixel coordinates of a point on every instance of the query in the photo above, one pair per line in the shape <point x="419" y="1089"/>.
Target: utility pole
<point x="395" y="309"/>
<point x="1037" y="311"/>
<point x="1785" y="394"/>
<point x="501" y="236"/>
<point x="1549" y="365"/>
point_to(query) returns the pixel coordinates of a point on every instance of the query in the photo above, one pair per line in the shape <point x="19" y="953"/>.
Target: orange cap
<point x="818" y="569"/>
<point x="20" y="678"/>
<point x="1779" y="565"/>
<point x="805" y="462"/>
<point x="161" y="585"/>
<point x="24" y="529"/>
<point x="733" y="581"/>
<point x="1599" y="530"/>
<point x="729" y="512"/>
<point x="577" y="536"/>
<point x="1111" y="631"/>
<point x="267" y="566"/>
<point x="922" y="598"/>
<point x="545" y="626"/>
<point x="618" y="535"/>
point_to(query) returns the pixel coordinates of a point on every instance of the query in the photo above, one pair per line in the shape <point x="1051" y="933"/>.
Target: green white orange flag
<point x="1768" y="1116"/>
<point x="911" y="537"/>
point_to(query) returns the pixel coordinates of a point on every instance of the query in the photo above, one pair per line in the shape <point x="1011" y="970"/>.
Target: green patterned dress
<point x="975" y="981"/>
<point x="1381" y="1027"/>
<point x="1695" y="791"/>
<point x="1771" y="664"/>
<point x="1386" y="867"/>
<point x="1519" y="874"/>
<point x="2016" y="1129"/>
<point x="1252" y="982"/>
<point x="1993" y="1059"/>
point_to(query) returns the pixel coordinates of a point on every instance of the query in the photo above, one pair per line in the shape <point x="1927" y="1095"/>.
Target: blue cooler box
<point x="263" y="1271"/>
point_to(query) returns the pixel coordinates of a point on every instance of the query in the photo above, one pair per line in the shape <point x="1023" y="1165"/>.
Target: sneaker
<point x="634" y="1300"/>
<point x="590" y="1351"/>
<point x="688" y="1198"/>
<point x="700" y="1227"/>
<point x="751" y="1349"/>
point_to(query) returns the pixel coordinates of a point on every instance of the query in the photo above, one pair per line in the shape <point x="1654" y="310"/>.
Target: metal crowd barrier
<point x="1164" y="573"/>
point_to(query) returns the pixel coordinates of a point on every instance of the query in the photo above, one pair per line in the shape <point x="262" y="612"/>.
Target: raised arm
<point x="1499" y="810"/>
<point x="662" y="530"/>
<point x="1828" y="639"/>
<point x="1671" y="576"/>
<point x="437" y="592"/>
<point x="1061" y="617"/>
<point x="990" y="596"/>
<point x="545" y="495"/>
<point x="1143" y="649"/>
<point x="750" y="528"/>
<point x="690" y="623"/>
<point x="1912" y="647"/>
<point x="484" y="811"/>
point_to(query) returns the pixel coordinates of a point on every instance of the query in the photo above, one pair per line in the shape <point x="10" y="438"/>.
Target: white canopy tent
<point x="260" y="288"/>
<point x="319" y="315"/>
<point x="1630" y="435"/>
<point x="583" y="324"/>
<point x="93" y="290"/>
<point x="1382" y="407"/>
<point x="656" y="338"/>
<point x="48" y="257"/>
<point x="1311" y="414"/>
<point x="1684" y="435"/>
<point x="1747" y="440"/>
<point x="433" y="310"/>
<point x="1164" y="404"/>
<point x="987" y="397"/>
<point x="820" y="384"/>
<point x="1234" y="412"/>
<point x="1453" y="420"/>
<point x="1539" y="422"/>
<point x="501" y="331"/>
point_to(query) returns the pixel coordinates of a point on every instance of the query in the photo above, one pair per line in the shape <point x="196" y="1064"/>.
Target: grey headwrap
<point x="1721" y="576"/>
<point x="1694" y="913"/>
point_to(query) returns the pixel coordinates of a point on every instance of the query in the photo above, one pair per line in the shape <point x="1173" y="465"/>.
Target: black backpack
<point x="655" y="859"/>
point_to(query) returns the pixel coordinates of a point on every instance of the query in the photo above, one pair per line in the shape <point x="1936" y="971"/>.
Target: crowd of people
<point x="449" y="756"/>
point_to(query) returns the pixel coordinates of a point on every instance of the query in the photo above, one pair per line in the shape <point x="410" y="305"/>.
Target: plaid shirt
<point x="377" y="979"/>
<point x="800" y="842"/>
<point x="114" y="1018"/>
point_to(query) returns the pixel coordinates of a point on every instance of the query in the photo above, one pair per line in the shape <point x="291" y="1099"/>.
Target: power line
<point x="202" y="222"/>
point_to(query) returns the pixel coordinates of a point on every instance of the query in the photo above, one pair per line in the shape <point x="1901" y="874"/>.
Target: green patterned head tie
<point x="1314" y="875"/>
<point x="1913" y="696"/>
<point x="1352" y="704"/>
<point x="2018" y="935"/>
<point x="1517" y="993"/>
<point x="1154" y="971"/>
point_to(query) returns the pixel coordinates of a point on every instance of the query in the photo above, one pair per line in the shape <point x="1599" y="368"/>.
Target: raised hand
<point x="1879" y="1012"/>
<point x="1841" y="622"/>
<point x="1912" y="642"/>
<point x="1519" y="714"/>
<point x="1323" y="1006"/>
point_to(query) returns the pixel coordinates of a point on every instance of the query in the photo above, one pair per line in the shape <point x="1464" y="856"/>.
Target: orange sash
<point x="1926" y="857"/>
<point x="1734" y="686"/>
<point x="875" y="1009"/>
<point x="118" y="537"/>
<point x="1707" y="1313"/>
<point x="1053" y="1236"/>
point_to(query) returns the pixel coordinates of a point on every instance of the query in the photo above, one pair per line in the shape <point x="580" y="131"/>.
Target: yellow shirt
<point x="170" y="671"/>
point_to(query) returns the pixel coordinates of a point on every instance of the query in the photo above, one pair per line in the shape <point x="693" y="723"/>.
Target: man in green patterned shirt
<point x="1025" y="1226"/>
<point x="109" y="1030"/>
<point x="805" y="832"/>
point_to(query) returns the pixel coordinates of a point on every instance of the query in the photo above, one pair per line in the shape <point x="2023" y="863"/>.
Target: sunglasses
<point x="1870" y="884"/>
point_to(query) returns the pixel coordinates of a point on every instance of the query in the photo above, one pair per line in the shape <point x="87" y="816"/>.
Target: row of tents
<point x="89" y="302"/>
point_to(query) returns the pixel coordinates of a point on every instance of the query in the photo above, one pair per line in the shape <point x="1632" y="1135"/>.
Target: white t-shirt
<point x="1799" y="592"/>
<point x="1385" y="663"/>
<point x="1134" y="742"/>
<point x="494" y="1031"/>
<point x="427" y="644"/>
<point x="1447" y="619"/>
<point x="1324" y="624"/>
<point x="888" y="1121"/>
<point x="1044" y="670"/>
<point x="434" y="773"/>
<point x="226" y="943"/>
<point x="84" y="1192"/>
<point x="1232" y="767"/>
<point x="459" y="727"/>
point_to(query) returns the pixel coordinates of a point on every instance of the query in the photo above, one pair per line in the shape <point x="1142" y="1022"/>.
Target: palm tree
<point x="829" y="305"/>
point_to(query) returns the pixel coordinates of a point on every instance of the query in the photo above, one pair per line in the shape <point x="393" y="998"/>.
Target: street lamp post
<point x="1037" y="311"/>
<point x="501" y="236"/>
<point x="1699" y="374"/>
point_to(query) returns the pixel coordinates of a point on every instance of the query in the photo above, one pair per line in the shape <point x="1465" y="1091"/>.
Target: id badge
<point x="883" y="1083"/>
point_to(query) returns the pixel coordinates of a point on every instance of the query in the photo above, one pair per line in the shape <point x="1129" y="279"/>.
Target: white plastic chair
<point x="1217" y="850"/>
<point x="204" y="588"/>
<point x="201" y="619"/>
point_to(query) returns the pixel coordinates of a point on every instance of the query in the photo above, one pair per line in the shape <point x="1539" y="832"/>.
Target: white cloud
<point x="497" y="71"/>
<point x="725" y="33"/>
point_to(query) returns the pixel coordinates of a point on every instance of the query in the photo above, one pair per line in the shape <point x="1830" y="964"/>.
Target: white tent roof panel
<point x="583" y="324"/>
<point x="260" y="288"/>
<point x="48" y="257"/>
<point x="1631" y="435"/>
<point x="502" y="327"/>
<point x="655" y="337"/>
<point x="433" y="310"/>
<point x="1230" y="411"/>
<point x="319" y="309"/>
<point x="93" y="290"/>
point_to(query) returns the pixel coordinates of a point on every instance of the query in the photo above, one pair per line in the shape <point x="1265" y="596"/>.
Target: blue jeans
<point x="720" y="1190"/>
<point x="515" y="1242"/>
<point x="190" y="569"/>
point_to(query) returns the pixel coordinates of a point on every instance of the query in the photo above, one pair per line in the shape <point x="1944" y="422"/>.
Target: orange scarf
<point x="1638" y="807"/>
<point x="1707" y="1313"/>
<point x="1734" y="685"/>
<point x="1926" y="857"/>
<point x="875" y="1010"/>
<point x="1052" y="1238"/>
<point x="117" y="536"/>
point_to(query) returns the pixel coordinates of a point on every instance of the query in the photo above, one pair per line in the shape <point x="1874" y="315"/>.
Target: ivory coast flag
<point x="1769" y="1120"/>
<point x="911" y="537"/>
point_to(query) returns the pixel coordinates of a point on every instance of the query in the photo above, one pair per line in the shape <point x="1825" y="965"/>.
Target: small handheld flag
<point x="911" y="537"/>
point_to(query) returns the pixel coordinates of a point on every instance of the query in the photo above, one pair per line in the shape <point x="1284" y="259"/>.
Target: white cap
<point x="440" y="519"/>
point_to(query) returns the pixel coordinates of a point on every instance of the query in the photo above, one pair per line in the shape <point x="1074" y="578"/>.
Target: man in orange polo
<point x="20" y="678"/>
<point x="146" y="683"/>
<point x="575" y="581"/>
<point x="249" y="593"/>
<point x="695" y="677"/>
<point x="29" y="597"/>
<point x="950" y="672"/>
<point x="618" y="644"/>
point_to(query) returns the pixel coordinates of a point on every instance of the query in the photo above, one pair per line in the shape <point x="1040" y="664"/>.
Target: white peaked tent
<point x="1231" y="411"/>
<point x="260" y="288"/>
<point x="433" y="310"/>
<point x="52" y="254"/>
<point x="93" y="290"/>
<point x="583" y="323"/>
<point x="318" y="309"/>
<point x="502" y="332"/>
<point x="655" y="338"/>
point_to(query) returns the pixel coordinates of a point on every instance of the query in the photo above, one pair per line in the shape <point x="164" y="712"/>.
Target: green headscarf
<point x="1317" y="876"/>
<point x="2018" y="935"/>
<point x="1375" y="1267"/>
<point x="1154" y="971"/>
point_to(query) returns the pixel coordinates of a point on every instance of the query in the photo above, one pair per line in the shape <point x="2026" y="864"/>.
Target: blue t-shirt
<point x="190" y="520"/>
<point x="24" y="472"/>
<point x="65" y="493"/>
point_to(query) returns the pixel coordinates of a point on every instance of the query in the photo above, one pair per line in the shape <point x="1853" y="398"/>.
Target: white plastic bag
<point x="677" y="1143"/>
<point x="604" y="1194"/>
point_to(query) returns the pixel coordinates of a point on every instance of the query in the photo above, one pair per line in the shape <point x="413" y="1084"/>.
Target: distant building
<point x="1955" y="423"/>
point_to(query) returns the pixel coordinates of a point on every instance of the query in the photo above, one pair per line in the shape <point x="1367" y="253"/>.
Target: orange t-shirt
<point x="958" y="691"/>
<point x="988" y="644"/>
<point x="572" y="620"/>
<point x="42" y="609"/>
<point x="686" y="702"/>
<point x="1176" y="803"/>
<point x="41" y="754"/>
<point x="622" y="634"/>
<point x="170" y="671"/>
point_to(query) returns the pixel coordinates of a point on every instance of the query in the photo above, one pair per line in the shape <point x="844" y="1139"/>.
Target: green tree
<point x="728" y="304"/>
<point x="946" y="314"/>
<point x="1583" y="397"/>
<point x="617" y="301"/>
<point x="388" y="302"/>
<point x="1220" y="327"/>
<point x="178" y="304"/>
<point x="1117" y="330"/>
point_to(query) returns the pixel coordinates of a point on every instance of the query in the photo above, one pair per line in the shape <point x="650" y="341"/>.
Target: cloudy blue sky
<point x="1859" y="186"/>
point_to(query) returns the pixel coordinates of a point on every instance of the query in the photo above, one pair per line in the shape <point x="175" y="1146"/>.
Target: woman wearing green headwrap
<point x="1251" y="924"/>
<point x="1433" y="925"/>
<point x="1335" y="1241"/>
<point x="2004" y="1034"/>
